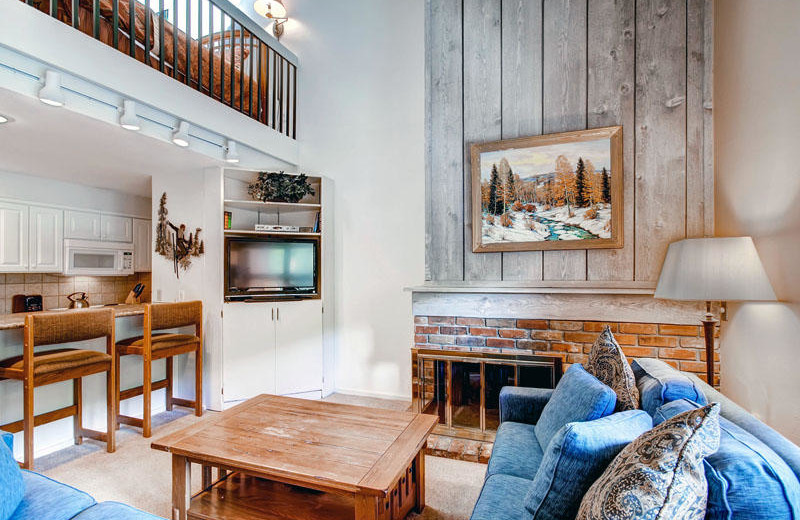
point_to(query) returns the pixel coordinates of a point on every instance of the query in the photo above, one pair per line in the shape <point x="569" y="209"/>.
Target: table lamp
<point x="725" y="269"/>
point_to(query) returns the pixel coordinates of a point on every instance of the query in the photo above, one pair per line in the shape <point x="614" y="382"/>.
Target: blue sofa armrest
<point x="8" y="439"/>
<point x="522" y="404"/>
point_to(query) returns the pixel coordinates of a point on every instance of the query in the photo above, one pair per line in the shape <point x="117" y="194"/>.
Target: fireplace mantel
<point x="548" y="287"/>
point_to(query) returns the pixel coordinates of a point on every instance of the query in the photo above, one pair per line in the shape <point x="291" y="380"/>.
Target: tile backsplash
<point x="55" y="288"/>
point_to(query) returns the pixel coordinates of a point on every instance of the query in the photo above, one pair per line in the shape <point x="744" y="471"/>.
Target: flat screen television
<point x="258" y="267"/>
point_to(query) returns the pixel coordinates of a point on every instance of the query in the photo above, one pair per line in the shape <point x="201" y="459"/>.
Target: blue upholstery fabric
<point x="502" y="499"/>
<point x="11" y="487"/>
<point x="659" y="383"/>
<point x="115" y="511"/>
<point x="731" y="411"/>
<point x="575" y="458"/>
<point x="746" y="479"/>
<point x="578" y="397"/>
<point x="516" y="451"/>
<point x="46" y="499"/>
<point x="521" y="404"/>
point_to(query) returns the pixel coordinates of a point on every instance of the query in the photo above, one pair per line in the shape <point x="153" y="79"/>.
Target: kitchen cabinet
<point x="46" y="243"/>
<point x="82" y="225"/>
<point x="273" y="348"/>
<point x="115" y="228"/>
<point x="142" y="245"/>
<point x="13" y="237"/>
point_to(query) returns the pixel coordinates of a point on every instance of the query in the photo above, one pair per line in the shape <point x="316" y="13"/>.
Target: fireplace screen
<point x="463" y="388"/>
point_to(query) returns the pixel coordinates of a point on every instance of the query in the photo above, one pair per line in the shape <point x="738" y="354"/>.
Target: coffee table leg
<point x="367" y="507"/>
<point x="181" y="487"/>
<point x="419" y="470"/>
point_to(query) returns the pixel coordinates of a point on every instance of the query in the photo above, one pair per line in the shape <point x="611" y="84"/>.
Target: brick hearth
<point x="681" y="346"/>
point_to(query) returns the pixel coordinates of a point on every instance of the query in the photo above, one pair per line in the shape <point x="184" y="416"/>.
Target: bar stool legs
<point x="77" y="400"/>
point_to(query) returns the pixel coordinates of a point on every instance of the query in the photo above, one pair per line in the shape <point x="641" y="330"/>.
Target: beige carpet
<point x="140" y="476"/>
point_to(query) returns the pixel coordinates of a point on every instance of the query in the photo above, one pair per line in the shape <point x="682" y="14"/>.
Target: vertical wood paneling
<point x="610" y="93"/>
<point x="525" y="67"/>
<point x="564" y="98"/>
<point x="660" y="131"/>
<point x="444" y="238"/>
<point x="482" y="114"/>
<point x="695" y="64"/>
<point x="522" y="101"/>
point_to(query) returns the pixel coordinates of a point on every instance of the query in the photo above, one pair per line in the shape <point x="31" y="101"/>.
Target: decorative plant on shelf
<point x="280" y="187"/>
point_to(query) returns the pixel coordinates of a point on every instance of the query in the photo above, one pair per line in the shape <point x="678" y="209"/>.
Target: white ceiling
<point x="60" y="144"/>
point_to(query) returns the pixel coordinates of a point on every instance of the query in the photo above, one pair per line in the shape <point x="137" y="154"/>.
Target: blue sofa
<point x="754" y="475"/>
<point x="45" y="499"/>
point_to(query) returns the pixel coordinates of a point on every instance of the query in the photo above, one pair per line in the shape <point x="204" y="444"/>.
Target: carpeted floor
<point x="140" y="476"/>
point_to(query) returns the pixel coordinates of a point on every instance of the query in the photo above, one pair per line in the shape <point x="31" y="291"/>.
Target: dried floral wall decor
<point x="172" y="242"/>
<point x="280" y="187"/>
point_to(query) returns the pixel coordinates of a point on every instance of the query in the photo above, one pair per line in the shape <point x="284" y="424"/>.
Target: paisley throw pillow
<point x="660" y="475"/>
<point x="607" y="363"/>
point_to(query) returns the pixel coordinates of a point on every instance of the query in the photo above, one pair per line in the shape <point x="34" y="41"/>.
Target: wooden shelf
<point x="271" y="233"/>
<point x="546" y="287"/>
<point x="255" y="205"/>
<point x="243" y="497"/>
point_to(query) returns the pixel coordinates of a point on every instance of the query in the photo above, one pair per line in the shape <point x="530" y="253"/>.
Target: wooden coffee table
<point x="285" y="458"/>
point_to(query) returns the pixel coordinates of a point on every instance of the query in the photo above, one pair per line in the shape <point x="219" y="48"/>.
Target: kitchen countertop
<point x="17" y="321"/>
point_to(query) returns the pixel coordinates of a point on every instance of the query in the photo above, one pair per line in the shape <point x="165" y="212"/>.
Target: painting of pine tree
<point x="558" y="191"/>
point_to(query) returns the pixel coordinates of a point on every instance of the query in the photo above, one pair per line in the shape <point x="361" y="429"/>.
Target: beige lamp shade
<point x="714" y="269"/>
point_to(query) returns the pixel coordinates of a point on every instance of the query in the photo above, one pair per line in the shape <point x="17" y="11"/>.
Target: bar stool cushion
<point x="50" y="361"/>
<point x="160" y="341"/>
<point x="47" y="499"/>
<point x="11" y="487"/>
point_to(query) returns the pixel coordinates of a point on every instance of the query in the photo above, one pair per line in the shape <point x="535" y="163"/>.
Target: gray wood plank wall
<point x="510" y="68"/>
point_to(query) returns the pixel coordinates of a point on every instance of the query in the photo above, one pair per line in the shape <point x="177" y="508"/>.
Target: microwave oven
<point x="93" y="258"/>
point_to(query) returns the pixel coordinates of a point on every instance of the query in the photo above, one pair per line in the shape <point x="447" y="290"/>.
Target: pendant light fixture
<point x="51" y="93"/>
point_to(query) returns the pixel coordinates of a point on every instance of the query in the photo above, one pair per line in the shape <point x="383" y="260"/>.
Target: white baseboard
<point x="379" y="395"/>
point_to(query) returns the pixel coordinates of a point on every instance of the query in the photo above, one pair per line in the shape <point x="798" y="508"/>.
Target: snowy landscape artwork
<point x="557" y="191"/>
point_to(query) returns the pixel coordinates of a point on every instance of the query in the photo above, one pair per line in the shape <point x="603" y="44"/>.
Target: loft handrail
<point x="245" y="21"/>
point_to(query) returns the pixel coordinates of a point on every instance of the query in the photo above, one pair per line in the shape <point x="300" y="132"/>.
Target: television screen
<point x="268" y="266"/>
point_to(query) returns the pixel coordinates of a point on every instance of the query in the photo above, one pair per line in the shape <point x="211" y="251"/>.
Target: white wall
<point x="30" y="188"/>
<point x="757" y="109"/>
<point x="361" y="123"/>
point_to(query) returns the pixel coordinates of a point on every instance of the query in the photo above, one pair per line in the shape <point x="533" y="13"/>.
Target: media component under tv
<point x="258" y="267"/>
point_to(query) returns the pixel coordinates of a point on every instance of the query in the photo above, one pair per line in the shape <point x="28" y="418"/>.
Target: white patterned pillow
<point x="607" y="363"/>
<point x="660" y="475"/>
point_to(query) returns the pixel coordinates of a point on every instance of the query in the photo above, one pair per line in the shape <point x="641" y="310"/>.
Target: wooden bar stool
<point x="150" y="346"/>
<point x="37" y="369"/>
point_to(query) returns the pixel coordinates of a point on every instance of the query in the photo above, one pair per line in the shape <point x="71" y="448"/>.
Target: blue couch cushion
<point x="516" y="451"/>
<point x="659" y="383"/>
<point x="46" y="499"/>
<point x="502" y="498"/>
<point x="746" y="479"/>
<point x="579" y="396"/>
<point x="115" y="511"/>
<point x="11" y="487"/>
<point x="576" y="457"/>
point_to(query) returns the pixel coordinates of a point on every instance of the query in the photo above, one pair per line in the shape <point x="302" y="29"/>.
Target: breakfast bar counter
<point x="17" y="321"/>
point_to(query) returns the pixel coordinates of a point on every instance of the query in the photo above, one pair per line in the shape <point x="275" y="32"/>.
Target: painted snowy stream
<point x="561" y="231"/>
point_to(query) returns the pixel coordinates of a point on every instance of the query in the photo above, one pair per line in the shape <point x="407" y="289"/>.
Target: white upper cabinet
<point x="46" y="239"/>
<point x="142" y="242"/>
<point x="83" y="225"/>
<point x="13" y="237"/>
<point x="116" y="229"/>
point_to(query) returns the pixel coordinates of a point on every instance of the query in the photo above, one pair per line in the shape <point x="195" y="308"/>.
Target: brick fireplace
<point x="676" y="344"/>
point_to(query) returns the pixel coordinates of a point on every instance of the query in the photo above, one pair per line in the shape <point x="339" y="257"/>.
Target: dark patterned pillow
<point x="607" y="363"/>
<point x="660" y="475"/>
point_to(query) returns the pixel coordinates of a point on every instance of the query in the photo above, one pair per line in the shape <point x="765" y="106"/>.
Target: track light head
<point x="51" y="93"/>
<point x="180" y="136"/>
<point x="128" y="119"/>
<point x="231" y="154"/>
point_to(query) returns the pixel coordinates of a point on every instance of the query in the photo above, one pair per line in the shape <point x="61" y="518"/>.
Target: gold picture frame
<point x="548" y="192"/>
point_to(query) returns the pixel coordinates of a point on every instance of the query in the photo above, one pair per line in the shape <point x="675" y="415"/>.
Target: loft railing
<point x="206" y="44"/>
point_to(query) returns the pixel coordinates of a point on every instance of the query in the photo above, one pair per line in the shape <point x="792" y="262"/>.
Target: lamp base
<point x="709" y="328"/>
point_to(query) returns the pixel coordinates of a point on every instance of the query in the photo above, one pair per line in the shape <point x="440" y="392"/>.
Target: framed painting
<point x="548" y="192"/>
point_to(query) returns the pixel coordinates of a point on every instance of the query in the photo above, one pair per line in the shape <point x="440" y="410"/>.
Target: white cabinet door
<point x="13" y="237"/>
<point x="248" y="345"/>
<point x="83" y="225"/>
<point x="298" y="352"/>
<point x="142" y="251"/>
<point x="116" y="229"/>
<point x="46" y="239"/>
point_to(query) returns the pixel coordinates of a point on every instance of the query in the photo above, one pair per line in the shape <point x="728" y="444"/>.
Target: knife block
<point x="132" y="298"/>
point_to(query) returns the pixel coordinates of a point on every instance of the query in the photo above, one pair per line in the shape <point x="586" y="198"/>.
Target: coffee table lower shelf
<point x="243" y="497"/>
